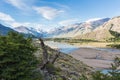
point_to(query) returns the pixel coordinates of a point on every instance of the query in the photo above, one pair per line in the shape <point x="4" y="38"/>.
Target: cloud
<point x="15" y="24"/>
<point x="5" y="17"/>
<point x="48" y="12"/>
<point x="8" y="19"/>
<point x="93" y="19"/>
<point x="20" y="4"/>
<point x="55" y="4"/>
<point x="24" y="5"/>
<point x="68" y="22"/>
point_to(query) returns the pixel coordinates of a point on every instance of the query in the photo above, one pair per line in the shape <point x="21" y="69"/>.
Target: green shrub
<point x="52" y="69"/>
<point x="17" y="61"/>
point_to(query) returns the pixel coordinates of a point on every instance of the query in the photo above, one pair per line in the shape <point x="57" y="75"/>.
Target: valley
<point x="89" y="41"/>
<point x="59" y="39"/>
<point x="99" y="57"/>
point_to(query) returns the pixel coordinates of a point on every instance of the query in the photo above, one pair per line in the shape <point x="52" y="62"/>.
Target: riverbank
<point x="96" y="58"/>
<point x="62" y="47"/>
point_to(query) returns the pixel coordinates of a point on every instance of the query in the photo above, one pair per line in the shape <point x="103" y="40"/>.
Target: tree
<point x="115" y="71"/>
<point x="17" y="61"/>
<point x="47" y="67"/>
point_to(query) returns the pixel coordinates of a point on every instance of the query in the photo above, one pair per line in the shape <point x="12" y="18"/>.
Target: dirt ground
<point x="95" y="58"/>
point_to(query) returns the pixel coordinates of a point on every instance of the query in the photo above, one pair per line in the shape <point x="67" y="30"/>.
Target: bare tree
<point x="46" y="60"/>
<point x="45" y="53"/>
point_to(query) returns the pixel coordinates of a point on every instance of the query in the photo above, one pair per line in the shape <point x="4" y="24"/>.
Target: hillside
<point x="68" y="68"/>
<point x="103" y="32"/>
<point x="96" y="35"/>
<point x="78" y="28"/>
<point x="4" y="30"/>
<point x="29" y="30"/>
<point x="64" y="31"/>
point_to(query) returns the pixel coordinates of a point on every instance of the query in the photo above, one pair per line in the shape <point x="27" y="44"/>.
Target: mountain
<point x="113" y="24"/>
<point x="103" y="32"/>
<point x="78" y="28"/>
<point x="64" y="31"/>
<point x="29" y="30"/>
<point x="4" y="30"/>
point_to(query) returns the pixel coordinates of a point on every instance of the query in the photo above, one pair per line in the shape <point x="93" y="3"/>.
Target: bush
<point x="17" y="61"/>
<point x="117" y="46"/>
<point x="52" y="69"/>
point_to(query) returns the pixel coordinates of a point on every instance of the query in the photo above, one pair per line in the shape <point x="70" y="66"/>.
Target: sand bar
<point x="94" y="57"/>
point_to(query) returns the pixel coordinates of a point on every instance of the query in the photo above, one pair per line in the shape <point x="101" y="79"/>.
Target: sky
<point x="48" y="14"/>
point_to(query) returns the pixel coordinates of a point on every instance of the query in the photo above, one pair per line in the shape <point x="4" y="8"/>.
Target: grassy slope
<point x="97" y="35"/>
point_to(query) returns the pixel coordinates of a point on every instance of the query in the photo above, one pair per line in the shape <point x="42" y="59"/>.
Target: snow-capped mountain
<point x="103" y="32"/>
<point x="64" y="31"/>
<point x="78" y="28"/>
<point x="29" y="30"/>
<point x="4" y="30"/>
<point x="92" y="29"/>
<point x="113" y="24"/>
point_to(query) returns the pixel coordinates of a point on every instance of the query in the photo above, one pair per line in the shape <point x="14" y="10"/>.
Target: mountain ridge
<point x="30" y="30"/>
<point x="94" y="29"/>
<point x="78" y="29"/>
<point x="4" y="29"/>
<point x="103" y="32"/>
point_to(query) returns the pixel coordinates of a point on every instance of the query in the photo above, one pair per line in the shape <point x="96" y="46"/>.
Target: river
<point x="67" y="48"/>
<point x="63" y="47"/>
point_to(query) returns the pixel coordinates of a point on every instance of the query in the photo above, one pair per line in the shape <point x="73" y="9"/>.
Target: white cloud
<point x="68" y="22"/>
<point x="5" y="17"/>
<point x="20" y="4"/>
<point x="8" y="20"/>
<point x="15" y="24"/>
<point x="93" y="19"/>
<point x="48" y="12"/>
<point x="11" y="22"/>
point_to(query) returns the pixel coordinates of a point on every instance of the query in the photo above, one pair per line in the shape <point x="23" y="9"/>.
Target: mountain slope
<point x="96" y="35"/>
<point x="102" y="32"/>
<point x="4" y="30"/>
<point x="113" y="24"/>
<point x="30" y="30"/>
<point x="78" y="29"/>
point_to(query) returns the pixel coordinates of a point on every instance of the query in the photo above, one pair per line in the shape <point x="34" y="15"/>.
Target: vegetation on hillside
<point x="17" y="61"/>
<point x="65" y="67"/>
<point x="22" y="58"/>
<point x="116" y="39"/>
